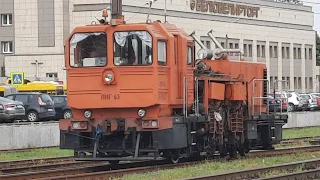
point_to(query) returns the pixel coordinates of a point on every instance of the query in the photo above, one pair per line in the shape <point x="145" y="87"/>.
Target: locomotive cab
<point x="126" y="80"/>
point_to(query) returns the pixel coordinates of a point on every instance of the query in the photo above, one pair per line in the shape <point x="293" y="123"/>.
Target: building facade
<point x="40" y="28"/>
<point x="278" y="34"/>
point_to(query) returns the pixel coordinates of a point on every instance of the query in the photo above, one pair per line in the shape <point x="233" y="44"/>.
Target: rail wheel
<point x="242" y="151"/>
<point x="223" y="151"/>
<point x="114" y="162"/>
<point x="232" y="151"/>
<point x="173" y="156"/>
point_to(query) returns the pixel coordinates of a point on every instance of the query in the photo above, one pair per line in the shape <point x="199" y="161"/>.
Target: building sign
<point x="17" y="78"/>
<point x="224" y="8"/>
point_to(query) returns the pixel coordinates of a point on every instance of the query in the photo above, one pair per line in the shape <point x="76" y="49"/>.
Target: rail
<point x="104" y="171"/>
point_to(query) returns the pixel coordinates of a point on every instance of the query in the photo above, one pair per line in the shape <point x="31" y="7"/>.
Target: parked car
<point x="274" y="104"/>
<point x="284" y="103"/>
<point x="11" y="110"/>
<point x="38" y="106"/>
<point x="63" y="111"/>
<point x="312" y="99"/>
<point x="295" y="102"/>
<point x="317" y="95"/>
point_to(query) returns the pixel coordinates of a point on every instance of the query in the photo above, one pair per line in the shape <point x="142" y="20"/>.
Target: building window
<point x="222" y="44"/>
<point x="310" y="53"/>
<point x="6" y="19"/>
<point x="305" y="53"/>
<point x="295" y="53"/>
<point x="299" y="83"/>
<point x="299" y="53"/>
<point x="245" y="50"/>
<point x="258" y="51"/>
<point x="275" y="51"/>
<point x="52" y="75"/>
<point x="305" y="82"/>
<point x="283" y="52"/>
<point x="236" y="46"/>
<point x="288" y="52"/>
<point x="288" y="83"/>
<point x="208" y="44"/>
<point x="231" y="47"/>
<point x="263" y="50"/>
<point x="310" y="83"/>
<point x="271" y="52"/>
<point x="295" y="83"/>
<point x="276" y="82"/>
<point x="6" y="47"/>
<point x="250" y="50"/>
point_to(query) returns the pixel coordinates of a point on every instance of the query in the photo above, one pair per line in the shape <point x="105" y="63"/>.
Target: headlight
<point x="108" y="77"/>
<point x="75" y="125"/>
<point x="154" y="123"/>
<point x="78" y="125"/>
<point x="87" y="114"/>
<point x="141" y="112"/>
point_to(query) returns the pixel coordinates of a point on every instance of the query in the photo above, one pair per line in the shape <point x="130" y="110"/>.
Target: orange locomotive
<point x="136" y="90"/>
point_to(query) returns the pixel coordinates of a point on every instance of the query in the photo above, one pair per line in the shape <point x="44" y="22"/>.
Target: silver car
<point x="11" y="110"/>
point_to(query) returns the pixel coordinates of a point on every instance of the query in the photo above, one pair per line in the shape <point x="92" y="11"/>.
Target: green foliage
<point x="318" y="49"/>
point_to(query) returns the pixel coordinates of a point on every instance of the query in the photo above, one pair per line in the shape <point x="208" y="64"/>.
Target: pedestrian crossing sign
<point x="17" y="78"/>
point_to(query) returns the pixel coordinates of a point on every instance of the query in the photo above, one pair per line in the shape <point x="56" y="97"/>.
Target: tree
<point x="318" y="49"/>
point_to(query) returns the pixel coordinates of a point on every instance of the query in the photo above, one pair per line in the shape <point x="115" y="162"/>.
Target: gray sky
<point x="316" y="9"/>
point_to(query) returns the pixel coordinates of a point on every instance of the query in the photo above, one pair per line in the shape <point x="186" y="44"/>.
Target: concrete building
<point x="37" y="35"/>
<point x="278" y="34"/>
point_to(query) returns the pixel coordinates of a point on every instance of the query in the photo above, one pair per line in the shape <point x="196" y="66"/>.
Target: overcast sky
<point x="316" y="9"/>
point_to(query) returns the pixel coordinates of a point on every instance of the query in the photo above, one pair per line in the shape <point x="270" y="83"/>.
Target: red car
<point x="284" y="101"/>
<point x="318" y="98"/>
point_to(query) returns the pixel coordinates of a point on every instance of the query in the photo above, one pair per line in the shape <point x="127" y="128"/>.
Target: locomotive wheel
<point x="242" y="151"/>
<point x="232" y="152"/>
<point x="173" y="156"/>
<point x="223" y="152"/>
<point x="114" y="162"/>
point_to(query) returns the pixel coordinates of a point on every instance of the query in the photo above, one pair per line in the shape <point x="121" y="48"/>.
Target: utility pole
<point x="116" y="9"/>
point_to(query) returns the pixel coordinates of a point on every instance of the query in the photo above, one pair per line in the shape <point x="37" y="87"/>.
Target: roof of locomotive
<point x="151" y="27"/>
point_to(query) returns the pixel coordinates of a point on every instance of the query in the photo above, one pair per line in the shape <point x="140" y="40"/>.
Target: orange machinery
<point x="137" y="89"/>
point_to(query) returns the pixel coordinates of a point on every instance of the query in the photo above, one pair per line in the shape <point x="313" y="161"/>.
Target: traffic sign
<point x="17" y="78"/>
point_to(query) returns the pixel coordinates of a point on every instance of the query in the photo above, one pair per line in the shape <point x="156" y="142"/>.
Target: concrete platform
<point x="46" y="134"/>
<point x="29" y="135"/>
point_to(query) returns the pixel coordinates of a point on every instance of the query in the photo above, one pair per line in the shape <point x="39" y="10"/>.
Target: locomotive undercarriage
<point x="222" y="131"/>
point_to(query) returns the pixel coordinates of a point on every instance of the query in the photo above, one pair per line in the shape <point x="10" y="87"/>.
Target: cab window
<point x="162" y="53"/>
<point x="190" y="55"/>
<point x="88" y="50"/>
<point x="132" y="48"/>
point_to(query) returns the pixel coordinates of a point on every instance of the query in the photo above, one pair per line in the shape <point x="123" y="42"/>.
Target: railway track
<point x="100" y="170"/>
<point x="25" y="149"/>
<point x="310" y="169"/>
<point x="33" y="162"/>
